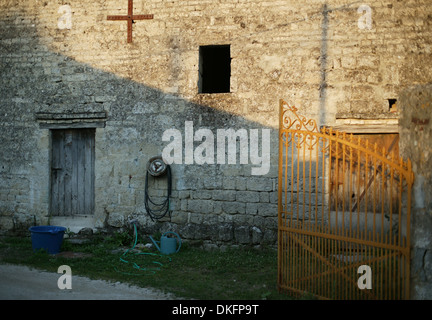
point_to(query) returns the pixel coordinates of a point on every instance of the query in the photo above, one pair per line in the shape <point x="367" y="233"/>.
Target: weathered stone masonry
<point x="312" y="53"/>
<point x="416" y="144"/>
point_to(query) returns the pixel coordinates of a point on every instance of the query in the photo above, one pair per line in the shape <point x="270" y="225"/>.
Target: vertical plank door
<point x="72" y="172"/>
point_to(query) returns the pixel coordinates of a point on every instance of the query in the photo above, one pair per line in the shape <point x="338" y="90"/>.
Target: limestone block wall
<point x="332" y="59"/>
<point x="416" y="144"/>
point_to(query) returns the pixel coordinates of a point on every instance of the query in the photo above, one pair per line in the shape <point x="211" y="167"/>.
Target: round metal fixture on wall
<point x="156" y="166"/>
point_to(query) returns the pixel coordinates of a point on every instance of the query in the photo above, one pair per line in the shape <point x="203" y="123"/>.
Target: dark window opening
<point x="214" y="69"/>
<point x="392" y="105"/>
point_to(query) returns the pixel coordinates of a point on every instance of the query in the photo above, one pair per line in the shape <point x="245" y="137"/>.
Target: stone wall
<point x="416" y="144"/>
<point x="328" y="58"/>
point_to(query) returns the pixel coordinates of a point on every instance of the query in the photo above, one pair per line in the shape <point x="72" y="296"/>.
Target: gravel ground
<point x="23" y="283"/>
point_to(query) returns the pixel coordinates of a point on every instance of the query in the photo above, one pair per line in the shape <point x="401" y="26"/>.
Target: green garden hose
<point x="144" y="270"/>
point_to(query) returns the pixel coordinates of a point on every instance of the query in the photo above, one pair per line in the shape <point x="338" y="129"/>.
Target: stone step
<point x="74" y="223"/>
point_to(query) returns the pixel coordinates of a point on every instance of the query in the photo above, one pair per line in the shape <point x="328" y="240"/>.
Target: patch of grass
<point x="233" y="274"/>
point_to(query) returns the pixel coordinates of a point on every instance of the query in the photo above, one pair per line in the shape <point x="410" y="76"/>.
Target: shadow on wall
<point x="223" y="202"/>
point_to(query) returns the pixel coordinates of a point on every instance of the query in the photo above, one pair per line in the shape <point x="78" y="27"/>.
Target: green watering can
<point x="168" y="245"/>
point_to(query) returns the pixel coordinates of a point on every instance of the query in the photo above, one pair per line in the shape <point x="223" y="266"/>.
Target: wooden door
<point x="72" y="172"/>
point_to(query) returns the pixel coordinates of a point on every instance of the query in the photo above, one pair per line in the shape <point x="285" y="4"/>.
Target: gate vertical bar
<point x="280" y="166"/>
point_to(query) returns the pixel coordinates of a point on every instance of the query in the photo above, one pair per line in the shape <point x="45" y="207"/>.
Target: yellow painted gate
<point x="344" y="214"/>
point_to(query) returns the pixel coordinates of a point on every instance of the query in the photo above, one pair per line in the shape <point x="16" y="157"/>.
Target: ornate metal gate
<point x="343" y="203"/>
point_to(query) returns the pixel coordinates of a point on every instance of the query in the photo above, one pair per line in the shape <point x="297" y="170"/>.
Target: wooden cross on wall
<point x="130" y="19"/>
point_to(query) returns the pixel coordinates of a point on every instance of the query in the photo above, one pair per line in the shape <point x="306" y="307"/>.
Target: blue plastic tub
<point x="49" y="238"/>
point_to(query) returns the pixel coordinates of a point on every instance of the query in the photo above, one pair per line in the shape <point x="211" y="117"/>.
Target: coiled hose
<point x="159" y="210"/>
<point x="146" y="270"/>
